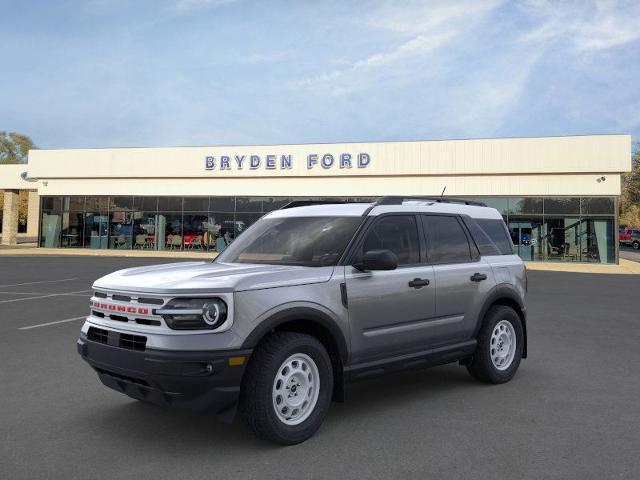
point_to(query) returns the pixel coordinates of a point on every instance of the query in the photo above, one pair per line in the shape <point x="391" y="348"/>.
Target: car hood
<point x="208" y="277"/>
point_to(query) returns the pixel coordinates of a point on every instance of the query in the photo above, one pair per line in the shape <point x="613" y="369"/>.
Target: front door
<point x="389" y="311"/>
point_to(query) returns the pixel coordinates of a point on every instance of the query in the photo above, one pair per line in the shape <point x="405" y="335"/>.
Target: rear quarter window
<point x="496" y="230"/>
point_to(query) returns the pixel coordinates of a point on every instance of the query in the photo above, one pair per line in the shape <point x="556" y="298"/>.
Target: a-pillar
<point x="10" y="217"/>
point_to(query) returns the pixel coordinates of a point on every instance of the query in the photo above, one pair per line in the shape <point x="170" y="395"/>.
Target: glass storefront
<point x="564" y="229"/>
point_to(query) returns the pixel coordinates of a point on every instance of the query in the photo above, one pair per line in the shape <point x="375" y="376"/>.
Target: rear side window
<point x="446" y="240"/>
<point x="495" y="229"/>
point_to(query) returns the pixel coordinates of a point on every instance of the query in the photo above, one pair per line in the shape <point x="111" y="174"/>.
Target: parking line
<point x="43" y="296"/>
<point x="41" y="281"/>
<point x="52" y="323"/>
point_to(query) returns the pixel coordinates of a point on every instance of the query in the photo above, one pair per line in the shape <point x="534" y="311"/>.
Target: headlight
<point x="194" y="313"/>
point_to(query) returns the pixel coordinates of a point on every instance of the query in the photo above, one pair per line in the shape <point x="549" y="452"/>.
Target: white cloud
<point x="600" y="26"/>
<point x="420" y="29"/>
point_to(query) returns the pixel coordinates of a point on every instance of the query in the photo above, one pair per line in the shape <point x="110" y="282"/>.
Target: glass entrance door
<point x="526" y="235"/>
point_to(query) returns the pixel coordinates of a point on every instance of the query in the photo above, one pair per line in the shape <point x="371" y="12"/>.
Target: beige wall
<point x="514" y="166"/>
<point x="580" y="154"/>
<point x="361" y="186"/>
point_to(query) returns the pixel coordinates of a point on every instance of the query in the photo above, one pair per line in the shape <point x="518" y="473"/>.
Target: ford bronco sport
<point x="308" y="299"/>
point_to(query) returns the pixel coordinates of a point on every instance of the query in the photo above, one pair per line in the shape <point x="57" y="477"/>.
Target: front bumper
<point x="191" y="380"/>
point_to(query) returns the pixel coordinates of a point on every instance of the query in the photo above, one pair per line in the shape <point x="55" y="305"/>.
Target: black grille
<point x="133" y="342"/>
<point x="121" y="298"/>
<point x="152" y="301"/>
<point x="119" y="318"/>
<point x="99" y="294"/>
<point x="98" y="335"/>
<point x="95" y="313"/>
<point x="146" y="321"/>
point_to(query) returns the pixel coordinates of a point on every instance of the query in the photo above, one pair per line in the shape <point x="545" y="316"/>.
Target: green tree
<point x="14" y="147"/>
<point x="630" y="198"/>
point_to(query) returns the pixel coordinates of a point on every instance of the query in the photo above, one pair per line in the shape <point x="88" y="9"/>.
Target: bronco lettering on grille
<point x="118" y="308"/>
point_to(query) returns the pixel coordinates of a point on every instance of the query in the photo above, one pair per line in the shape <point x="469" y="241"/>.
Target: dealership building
<point x="558" y="195"/>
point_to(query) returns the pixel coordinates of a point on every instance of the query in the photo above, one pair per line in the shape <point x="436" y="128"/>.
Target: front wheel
<point x="636" y="245"/>
<point x="287" y="388"/>
<point x="499" y="348"/>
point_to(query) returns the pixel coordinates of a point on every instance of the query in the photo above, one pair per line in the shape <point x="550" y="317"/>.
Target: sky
<point x="115" y="73"/>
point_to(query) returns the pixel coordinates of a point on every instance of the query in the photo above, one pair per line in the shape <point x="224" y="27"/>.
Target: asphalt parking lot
<point x="572" y="411"/>
<point x="629" y="253"/>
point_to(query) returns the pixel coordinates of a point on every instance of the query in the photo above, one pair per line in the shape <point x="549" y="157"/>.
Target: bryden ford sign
<point x="286" y="162"/>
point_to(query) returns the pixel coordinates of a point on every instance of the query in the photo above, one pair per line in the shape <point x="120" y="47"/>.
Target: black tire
<point x="481" y="366"/>
<point x="256" y="401"/>
<point x="636" y="245"/>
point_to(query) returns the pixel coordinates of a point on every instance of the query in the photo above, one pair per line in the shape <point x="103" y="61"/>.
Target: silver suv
<point x="308" y="299"/>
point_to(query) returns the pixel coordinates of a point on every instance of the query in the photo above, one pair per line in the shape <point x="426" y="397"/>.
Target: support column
<point x="10" y="217"/>
<point x="33" y="214"/>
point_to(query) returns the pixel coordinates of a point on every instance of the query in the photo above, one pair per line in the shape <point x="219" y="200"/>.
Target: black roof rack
<point x="306" y="203"/>
<point x="398" y="200"/>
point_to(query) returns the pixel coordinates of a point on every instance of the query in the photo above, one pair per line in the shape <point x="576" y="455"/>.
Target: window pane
<point x="195" y="231"/>
<point x="248" y="204"/>
<point x="145" y="204"/>
<point x="221" y="230"/>
<point x="597" y="242"/>
<point x="562" y="205"/>
<point x="196" y="204"/>
<point x="222" y="204"/>
<point x="486" y="246"/>
<point x="447" y="242"/>
<point x="96" y="204"/>
<point x="96" y="226"/>
<point x="398" y="233"/>
<point x="168" y="231"/>
<point x="525" y="206"/>
<point x="120" y="230"/>
<point x="597" y="206"/>
<point x="144" y="230"/>
<point x="562" y="238"/>
<point x="497" y="232"/>
<point x="120" y="203"/>
<point x="274" y="203"/>
<point x="303" y="241"/>
<point x="527" y="237"/>
<point x="170" y="204"/>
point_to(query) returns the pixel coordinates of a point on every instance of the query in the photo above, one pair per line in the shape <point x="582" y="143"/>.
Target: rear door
<point x="389" y="311"/>
<point x="463" y="280"/>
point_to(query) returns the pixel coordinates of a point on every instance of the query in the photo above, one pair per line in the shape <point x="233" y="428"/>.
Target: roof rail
<point x="306" y="203"/>
<point x="398" y="200"/>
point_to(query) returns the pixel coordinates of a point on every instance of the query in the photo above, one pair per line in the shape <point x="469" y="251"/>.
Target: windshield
<point x="303" y="241"/>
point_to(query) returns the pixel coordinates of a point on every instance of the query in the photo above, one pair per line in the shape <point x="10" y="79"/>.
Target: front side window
<point x="301" y="241"/>
<point x="447" y="242"/>
<point x="398" y="233"/>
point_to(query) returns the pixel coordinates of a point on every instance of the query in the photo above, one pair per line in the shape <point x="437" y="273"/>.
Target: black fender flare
<point x="507" y="292"/>
<point x="299" y="313"/>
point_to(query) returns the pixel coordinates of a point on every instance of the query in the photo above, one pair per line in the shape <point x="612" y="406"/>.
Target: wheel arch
<point x="312" y="322"/>
<point x="508" y="296"/>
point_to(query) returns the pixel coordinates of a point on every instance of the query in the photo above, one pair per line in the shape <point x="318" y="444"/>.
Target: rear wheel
<point x="287" y="388"/>
<point x="500" y="344"/>
<point x="636" y="245"/>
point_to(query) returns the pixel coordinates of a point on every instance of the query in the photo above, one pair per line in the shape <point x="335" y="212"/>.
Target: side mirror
<point x="377" y="260"/>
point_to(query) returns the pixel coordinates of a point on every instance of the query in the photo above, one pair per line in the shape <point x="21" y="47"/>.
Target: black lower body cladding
<point x="190" y="380"/>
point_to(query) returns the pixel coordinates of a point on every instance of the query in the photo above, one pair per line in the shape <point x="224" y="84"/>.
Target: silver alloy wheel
<point x="296" y="389"/>
<point x="503" y="345"/>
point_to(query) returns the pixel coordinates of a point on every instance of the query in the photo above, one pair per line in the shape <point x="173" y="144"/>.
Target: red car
<point x="629" y="237"/>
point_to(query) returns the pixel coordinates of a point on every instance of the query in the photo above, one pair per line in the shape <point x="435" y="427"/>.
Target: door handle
<point x="478" y="277"/>
<point x="418" y="282"/>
